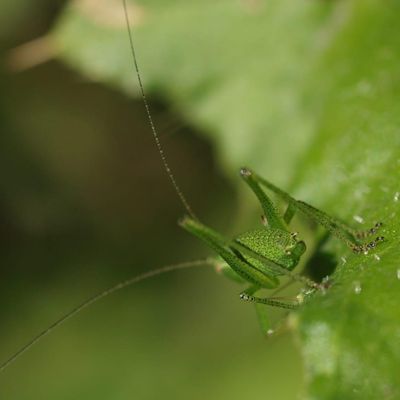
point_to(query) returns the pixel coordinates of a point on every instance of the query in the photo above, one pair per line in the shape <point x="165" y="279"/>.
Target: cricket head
<point x="296" y="248"/>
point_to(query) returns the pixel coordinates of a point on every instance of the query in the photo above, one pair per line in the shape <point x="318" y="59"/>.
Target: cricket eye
<point x="288" y="252"/>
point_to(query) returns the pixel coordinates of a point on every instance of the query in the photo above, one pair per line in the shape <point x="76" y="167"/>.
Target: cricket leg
<point x="289" y="214"/>
<point x="273" y="218"/>
<point x="248" y="295"/>
<point x="333" y="225"/>
<point x="261" y="312"/>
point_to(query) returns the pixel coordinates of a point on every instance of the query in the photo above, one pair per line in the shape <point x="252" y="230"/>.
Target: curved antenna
<point x="160" y="149"/>
<point x="104" y="293"/>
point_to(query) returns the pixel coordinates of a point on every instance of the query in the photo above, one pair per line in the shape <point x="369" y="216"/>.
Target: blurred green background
<point x="86" y="203"/>
<point x="305" y="92"/>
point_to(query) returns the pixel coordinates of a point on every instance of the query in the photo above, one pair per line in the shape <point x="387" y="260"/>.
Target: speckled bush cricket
<point x="248" y="258"/>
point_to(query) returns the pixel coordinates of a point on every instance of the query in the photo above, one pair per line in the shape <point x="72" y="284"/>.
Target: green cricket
<point x="257" y="257"/>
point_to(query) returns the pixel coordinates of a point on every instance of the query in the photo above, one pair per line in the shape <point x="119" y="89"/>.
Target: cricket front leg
<point x="333" y="225"/>
<point x="271" y="213"/>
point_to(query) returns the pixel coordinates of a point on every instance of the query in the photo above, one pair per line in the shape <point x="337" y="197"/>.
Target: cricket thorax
<point x="274" y="244"/>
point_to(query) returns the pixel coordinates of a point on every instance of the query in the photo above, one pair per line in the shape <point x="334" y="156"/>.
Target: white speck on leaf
<point x="320" y="349"/>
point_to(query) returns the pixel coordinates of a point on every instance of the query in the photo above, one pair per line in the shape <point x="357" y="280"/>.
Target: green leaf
<point x="351" y="336"/>
<point x="304" y="92"/>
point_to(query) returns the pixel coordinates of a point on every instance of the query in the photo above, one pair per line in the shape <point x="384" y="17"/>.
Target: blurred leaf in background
<point x="304" y="92"/>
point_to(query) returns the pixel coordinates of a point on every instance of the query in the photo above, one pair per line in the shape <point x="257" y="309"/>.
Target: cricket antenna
<point x="160" y="149"/>
<point x="104" y="293"/>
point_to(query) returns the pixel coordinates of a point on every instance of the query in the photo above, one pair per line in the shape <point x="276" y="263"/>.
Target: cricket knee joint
<point x="246" y="297"/>
<point x="245" y="173"/>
